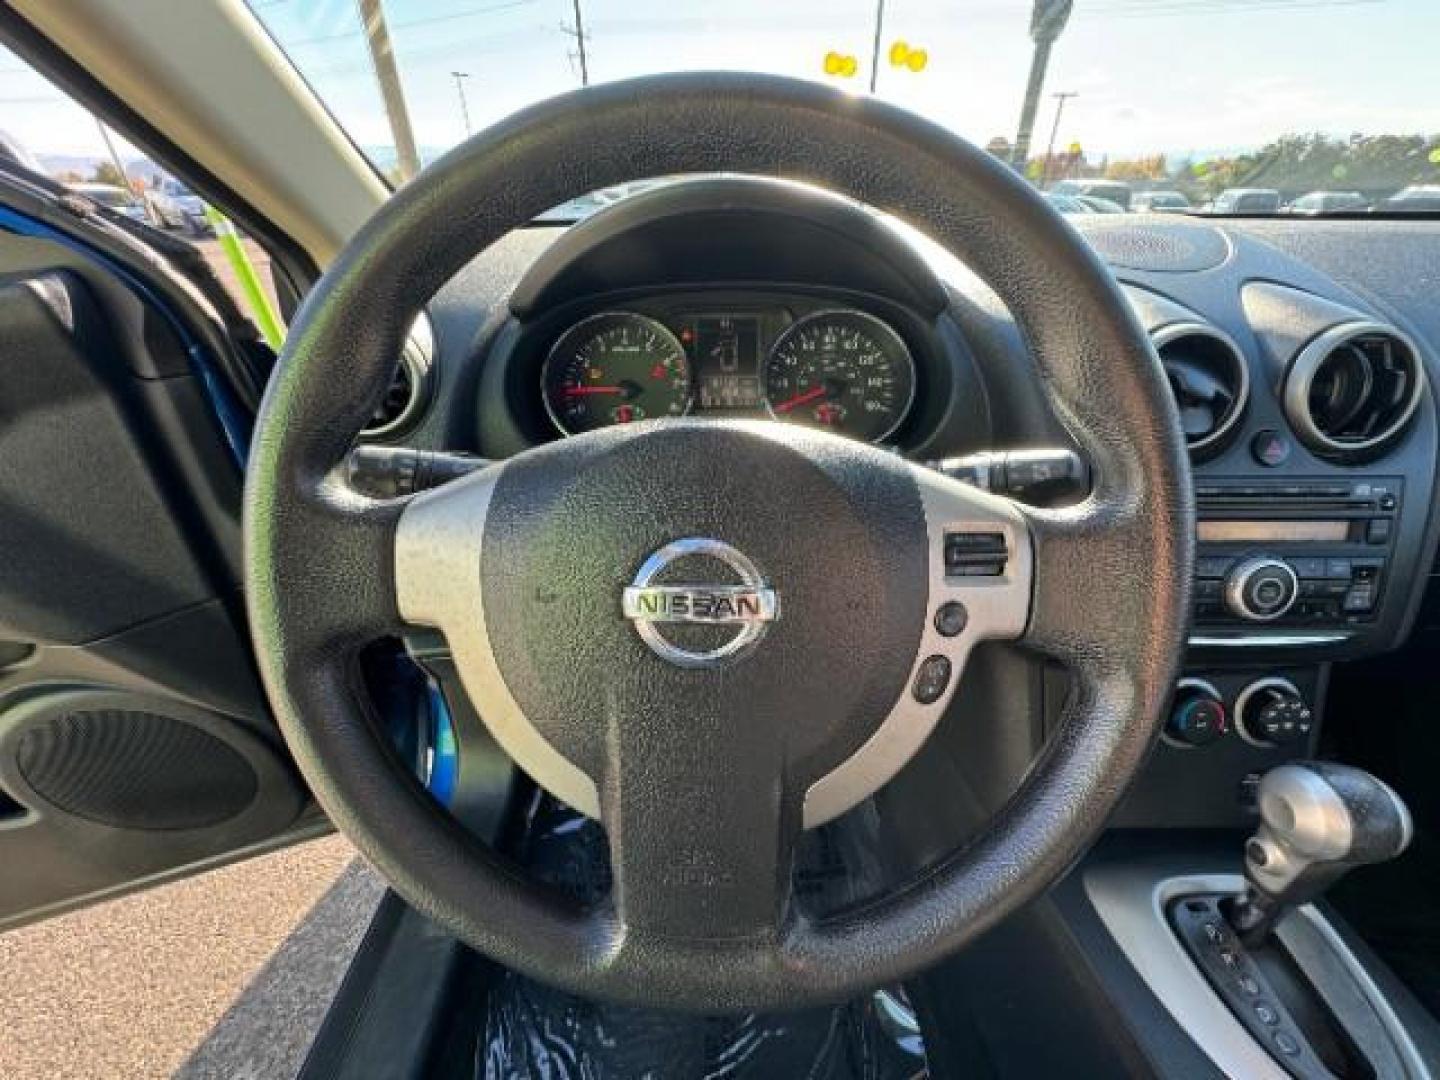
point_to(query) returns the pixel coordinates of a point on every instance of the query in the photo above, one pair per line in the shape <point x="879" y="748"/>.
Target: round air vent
<point x="1353" y="389"/>
<point x="409" y="390"/>
<point x="1209" y="379"/>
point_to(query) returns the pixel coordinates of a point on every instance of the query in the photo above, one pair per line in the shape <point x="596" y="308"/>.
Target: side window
<point x="43" y="130"/>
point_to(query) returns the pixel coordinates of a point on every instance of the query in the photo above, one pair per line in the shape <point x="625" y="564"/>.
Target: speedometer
<point x="842" y="370"/>
<point x="615" y="368"/>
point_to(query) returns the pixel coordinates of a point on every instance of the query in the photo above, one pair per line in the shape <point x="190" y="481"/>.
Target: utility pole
<point x="382" y="57"/>
<point x="875" y="49"/>
<point x="114" y="153"/>
<point x="460" y="77"/>
<point x="1047" y="20"/>
<point x="1060" y="99"/>
<point x="578" y="33"/>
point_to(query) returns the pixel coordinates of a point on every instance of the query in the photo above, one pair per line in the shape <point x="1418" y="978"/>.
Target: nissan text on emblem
<point x="746" y="603"/>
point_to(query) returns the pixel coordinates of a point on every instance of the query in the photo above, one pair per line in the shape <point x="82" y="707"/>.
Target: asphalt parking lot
<point x="226" y="975"/>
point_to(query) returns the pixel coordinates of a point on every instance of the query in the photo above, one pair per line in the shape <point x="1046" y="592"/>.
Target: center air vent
<point x="1353" y="389"/>
<point x="1210" y="381"/>
<point x="409" y="388"/>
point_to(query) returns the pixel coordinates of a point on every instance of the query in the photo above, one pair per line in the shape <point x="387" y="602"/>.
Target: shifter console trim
<point x="1242" y="984"/>
<point x="1132" y="899"/>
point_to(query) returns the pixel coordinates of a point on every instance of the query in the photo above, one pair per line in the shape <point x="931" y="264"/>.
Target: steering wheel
<point x="711" y="635"/>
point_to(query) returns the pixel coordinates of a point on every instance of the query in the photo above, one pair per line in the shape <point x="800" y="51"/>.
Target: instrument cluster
<point x="836" y="368"/>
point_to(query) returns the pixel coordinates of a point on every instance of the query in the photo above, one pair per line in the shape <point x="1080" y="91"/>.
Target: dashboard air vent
<point x="409" y="388"/>
<point x="1353" y="389"/>
<point x="1208" y="377"/>
<point x="399" y="400"/>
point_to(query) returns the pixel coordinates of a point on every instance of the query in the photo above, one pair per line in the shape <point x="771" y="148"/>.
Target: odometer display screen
<point x="726" y="351"/>
<point x="615" y="368"/>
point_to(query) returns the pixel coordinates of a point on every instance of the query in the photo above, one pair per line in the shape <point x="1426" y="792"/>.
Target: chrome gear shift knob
<point x="1318" y="820"/>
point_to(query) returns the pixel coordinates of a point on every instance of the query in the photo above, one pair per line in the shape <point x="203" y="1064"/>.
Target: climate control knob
<point x="1197" y="715"/>
<point x="1271" y="712"/>
<point x="1261" y="589"/>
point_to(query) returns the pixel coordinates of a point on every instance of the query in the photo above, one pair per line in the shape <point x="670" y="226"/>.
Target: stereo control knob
<point x="1261" y="589"/>
<point x="1197" y="715"/>
<point x="1271" y="712"/>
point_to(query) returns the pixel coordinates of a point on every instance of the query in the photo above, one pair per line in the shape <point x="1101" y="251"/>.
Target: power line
<point x="1118" y="9"/>
<point x="449" y="16"/>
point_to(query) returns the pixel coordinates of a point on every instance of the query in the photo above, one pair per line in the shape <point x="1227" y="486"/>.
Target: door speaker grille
<point x="135" y="770"/>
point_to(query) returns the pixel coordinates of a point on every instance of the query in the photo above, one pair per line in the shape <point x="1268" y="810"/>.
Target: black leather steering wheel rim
<point x="1111" y="577"/>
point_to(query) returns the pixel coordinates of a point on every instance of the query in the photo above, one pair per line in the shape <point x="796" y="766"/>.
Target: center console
<point x="1293" y="562"/>
<point x="1292" y="573"/>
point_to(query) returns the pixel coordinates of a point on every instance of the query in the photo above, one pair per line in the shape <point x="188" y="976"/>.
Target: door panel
<point x="134" y="736"/>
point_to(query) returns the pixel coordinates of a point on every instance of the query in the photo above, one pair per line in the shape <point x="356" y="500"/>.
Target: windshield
<point x="1228" y="106"/>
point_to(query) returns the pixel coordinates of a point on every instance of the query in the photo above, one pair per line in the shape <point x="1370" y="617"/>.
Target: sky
<point x="1183" y="77"/>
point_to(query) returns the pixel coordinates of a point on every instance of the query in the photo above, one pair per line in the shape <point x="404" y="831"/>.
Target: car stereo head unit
<point x="1310" y="553"/>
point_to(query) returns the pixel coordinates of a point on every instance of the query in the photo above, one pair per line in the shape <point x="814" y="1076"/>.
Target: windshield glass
<point x="1235" y="106"/>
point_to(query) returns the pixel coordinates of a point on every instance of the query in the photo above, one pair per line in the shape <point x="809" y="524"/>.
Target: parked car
<point x="1247" y="201"/>
<point x="1418" y="198"/>
<point x="1161" y="202"/>
<point x="112" y="197"/>
<point x="1327" y="202"/>
<point x="1095" y="204"/>
<point x="173" y="205"/>
<point x="1067" y="204"/>
<point x="1114" y="190"/>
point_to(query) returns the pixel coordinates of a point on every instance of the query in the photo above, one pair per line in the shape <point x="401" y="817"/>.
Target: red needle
<point x="800" y="399"/>
<point x="581" y="391"/>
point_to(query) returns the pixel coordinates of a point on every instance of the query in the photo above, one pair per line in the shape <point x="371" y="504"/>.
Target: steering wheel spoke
<point x="979" y="580"/>
<point x="1081" y="552"/>
<point x="347" y="576"/>
<point x="701" y="838"/>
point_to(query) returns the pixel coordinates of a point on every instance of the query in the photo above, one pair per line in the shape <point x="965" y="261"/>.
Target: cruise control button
<point x="931" y="680"/>
<point x="951" y="618"/>
<point x="1287" y="1044"/>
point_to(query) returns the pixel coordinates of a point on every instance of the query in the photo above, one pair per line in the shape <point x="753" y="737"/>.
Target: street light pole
<point x="387" y="75"/>
<point x="875" y="49"/>
<point x="1060" y="99"/>
<point x="1047" y="21"/>
<point x="580" y="46"/>
<point x="460" y="77"/>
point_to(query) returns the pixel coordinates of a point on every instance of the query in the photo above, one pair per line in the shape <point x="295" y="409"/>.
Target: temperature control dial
<point x="1261" y="589"/>
<point x="1272" y="712"/>
<point x="1197" y="715"/>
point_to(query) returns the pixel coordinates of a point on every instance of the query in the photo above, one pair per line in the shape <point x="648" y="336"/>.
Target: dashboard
<point x="1300" y="355"/>
<point x="1306" y="403"/>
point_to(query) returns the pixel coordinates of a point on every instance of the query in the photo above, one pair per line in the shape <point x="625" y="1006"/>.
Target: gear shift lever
<point x="1318" y="820"/>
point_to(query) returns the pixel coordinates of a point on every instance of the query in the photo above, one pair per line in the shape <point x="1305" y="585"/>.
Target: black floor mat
<point x="537" y="1033"/>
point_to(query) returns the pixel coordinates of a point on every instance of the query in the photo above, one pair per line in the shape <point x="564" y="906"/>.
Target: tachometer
<point x="615" y="368"/>
<point x="842" y="370"/>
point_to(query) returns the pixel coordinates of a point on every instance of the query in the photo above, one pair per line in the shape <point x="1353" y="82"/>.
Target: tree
<point x="1000" y="147"/>
<point x="1150" y="167"/>
<point x="1375" y="165"/>
<point x="107" y="173"/>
